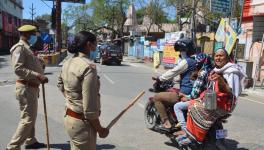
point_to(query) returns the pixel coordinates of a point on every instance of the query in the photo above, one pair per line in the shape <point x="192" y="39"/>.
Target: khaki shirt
<point x="79" y="81"/>
<point x="26" y="65"/>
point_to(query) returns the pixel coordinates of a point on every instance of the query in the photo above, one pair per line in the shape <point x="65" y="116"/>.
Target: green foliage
<point x="97" y="14"/>
<point x="140" y="15"/>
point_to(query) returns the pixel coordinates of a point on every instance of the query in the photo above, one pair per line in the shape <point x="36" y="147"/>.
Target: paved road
<point x="119" y="85"/>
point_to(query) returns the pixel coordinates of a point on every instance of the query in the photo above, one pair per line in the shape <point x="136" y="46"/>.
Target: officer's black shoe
<point x="36" y="145"/>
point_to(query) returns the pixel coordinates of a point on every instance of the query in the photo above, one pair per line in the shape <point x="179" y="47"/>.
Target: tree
<point x="183" y="9"/>
<point x="110" y="14"/>
<point x="46" y="17"/>
<point x="140" y="15"/>
<point x="153" y="13"/>
<point x="78" y="17"/>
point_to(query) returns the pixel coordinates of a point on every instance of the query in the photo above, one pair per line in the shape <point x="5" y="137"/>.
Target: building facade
<point x="10" y="20"/>
<point x="251" y="37"/>
<point x="220" y="6"/>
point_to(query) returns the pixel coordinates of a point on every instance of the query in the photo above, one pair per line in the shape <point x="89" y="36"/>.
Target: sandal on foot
<point x="178" y="133"/>
<point x="167" y="124"/>
<point x="184" y="141"/>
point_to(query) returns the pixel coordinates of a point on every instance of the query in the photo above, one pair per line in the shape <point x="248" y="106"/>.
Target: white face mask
<point x="183" y="55"/>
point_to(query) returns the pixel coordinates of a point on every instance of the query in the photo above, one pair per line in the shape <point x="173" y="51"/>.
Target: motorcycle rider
<point x="226" y="78"/>
<point x="204" y="66"/>
<point x="184" y="68"/>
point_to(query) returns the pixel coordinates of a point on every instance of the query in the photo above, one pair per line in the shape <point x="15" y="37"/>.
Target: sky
<point x="43" y="7"/>
<point x="40" y="7"/>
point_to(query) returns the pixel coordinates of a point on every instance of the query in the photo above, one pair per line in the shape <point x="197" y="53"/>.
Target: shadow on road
<point x="230" y="145"/>
<point x="3" y="62"/>
<point x="105" y="146"/>
<point x="67" y="146"/>
<point x="234" y="145"/>
<point x="64" y="146"/>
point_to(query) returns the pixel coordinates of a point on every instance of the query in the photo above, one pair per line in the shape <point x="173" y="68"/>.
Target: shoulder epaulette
<point x="15" y="46"/>
<point x="90" y="64"/>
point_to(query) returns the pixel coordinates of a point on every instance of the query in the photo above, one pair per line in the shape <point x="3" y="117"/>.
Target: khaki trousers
<point x="28" y="103"/>
<point x="165" y="98"/>
<point x="82" y="134"/>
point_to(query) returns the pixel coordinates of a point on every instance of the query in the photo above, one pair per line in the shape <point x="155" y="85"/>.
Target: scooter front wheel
<point x="150" y="116"/>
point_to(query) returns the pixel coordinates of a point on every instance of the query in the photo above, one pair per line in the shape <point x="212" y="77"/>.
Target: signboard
<point x="46" y="38"/>
<point x="160" y="44"/>
<point x="169" y="55"/>
<point x="172" y="37"/>
<point x="233" y="24"/>
<point x="156" y="59"/>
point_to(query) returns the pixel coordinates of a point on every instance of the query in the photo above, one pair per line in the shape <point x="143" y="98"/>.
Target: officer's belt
<point x="74" y="114"/>
<point x="28" y="83"/>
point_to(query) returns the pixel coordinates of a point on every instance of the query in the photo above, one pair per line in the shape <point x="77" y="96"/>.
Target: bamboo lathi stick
<point x="124" y="110"/>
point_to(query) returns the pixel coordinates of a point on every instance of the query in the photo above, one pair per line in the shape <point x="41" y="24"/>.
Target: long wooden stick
<point x="123" y="111"/>
<point x="46" y="116"/>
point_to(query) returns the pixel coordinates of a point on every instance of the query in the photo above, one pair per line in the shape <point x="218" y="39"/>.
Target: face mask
<point x="183" y="55"/>
<point x="32" y="40"/>
<point x="92" y="55"/>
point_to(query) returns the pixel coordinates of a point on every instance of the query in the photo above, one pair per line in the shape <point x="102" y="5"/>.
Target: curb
<point x="257" y="91"/>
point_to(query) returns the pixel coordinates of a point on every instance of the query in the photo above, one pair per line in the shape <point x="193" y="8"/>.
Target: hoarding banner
<point x="230" y="38"/>
<point x="169" y="55"/>
<point x="220" y="33"/>
<point x="227" y="35"/>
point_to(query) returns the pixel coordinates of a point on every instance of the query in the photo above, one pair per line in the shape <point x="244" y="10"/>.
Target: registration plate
<point x="113" y="54"/>
<point x="221" y="134"/>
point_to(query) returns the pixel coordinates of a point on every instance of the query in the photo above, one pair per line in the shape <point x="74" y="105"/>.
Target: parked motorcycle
<point x="215" y="137"/>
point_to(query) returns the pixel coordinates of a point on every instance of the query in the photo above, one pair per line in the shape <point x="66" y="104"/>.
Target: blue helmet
<point x="204" y="61"/>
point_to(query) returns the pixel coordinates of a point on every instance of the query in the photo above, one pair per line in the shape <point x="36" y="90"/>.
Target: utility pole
<point x="193" y="21"/>
<point x="32" y="13"/>
<point x="58" y="25"/>
<point x="238" y="28"/>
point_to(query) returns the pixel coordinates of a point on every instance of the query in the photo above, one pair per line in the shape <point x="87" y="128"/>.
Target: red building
<point x="10" y="20"/>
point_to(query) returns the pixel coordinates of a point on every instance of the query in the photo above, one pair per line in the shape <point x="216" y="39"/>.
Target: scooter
<point x="215" y="138"/>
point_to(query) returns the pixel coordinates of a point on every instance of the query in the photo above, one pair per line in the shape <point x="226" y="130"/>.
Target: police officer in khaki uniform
<point x="30" y="74"/>
<point x="80" y="85"/>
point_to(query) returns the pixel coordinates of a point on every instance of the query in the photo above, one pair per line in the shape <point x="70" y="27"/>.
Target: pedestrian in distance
<point x="30" y="74"/>
<point x="79" y="83"/>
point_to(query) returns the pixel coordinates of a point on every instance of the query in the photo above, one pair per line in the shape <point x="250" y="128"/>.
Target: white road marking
<point x="251" y="100"/>
<point x="110" y="80"/>
<point x="7" y="85"/>
<point x="142" y="66"/>
<point x="141" y="105"/>
<point x="133" y="65"/>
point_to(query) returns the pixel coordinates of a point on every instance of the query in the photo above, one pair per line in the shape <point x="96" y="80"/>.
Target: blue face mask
<point x="183" y="55"/>
<point x="32" y="40"/>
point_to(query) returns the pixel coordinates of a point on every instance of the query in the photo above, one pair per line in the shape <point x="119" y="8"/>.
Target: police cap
<point x="27" y="28"/>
